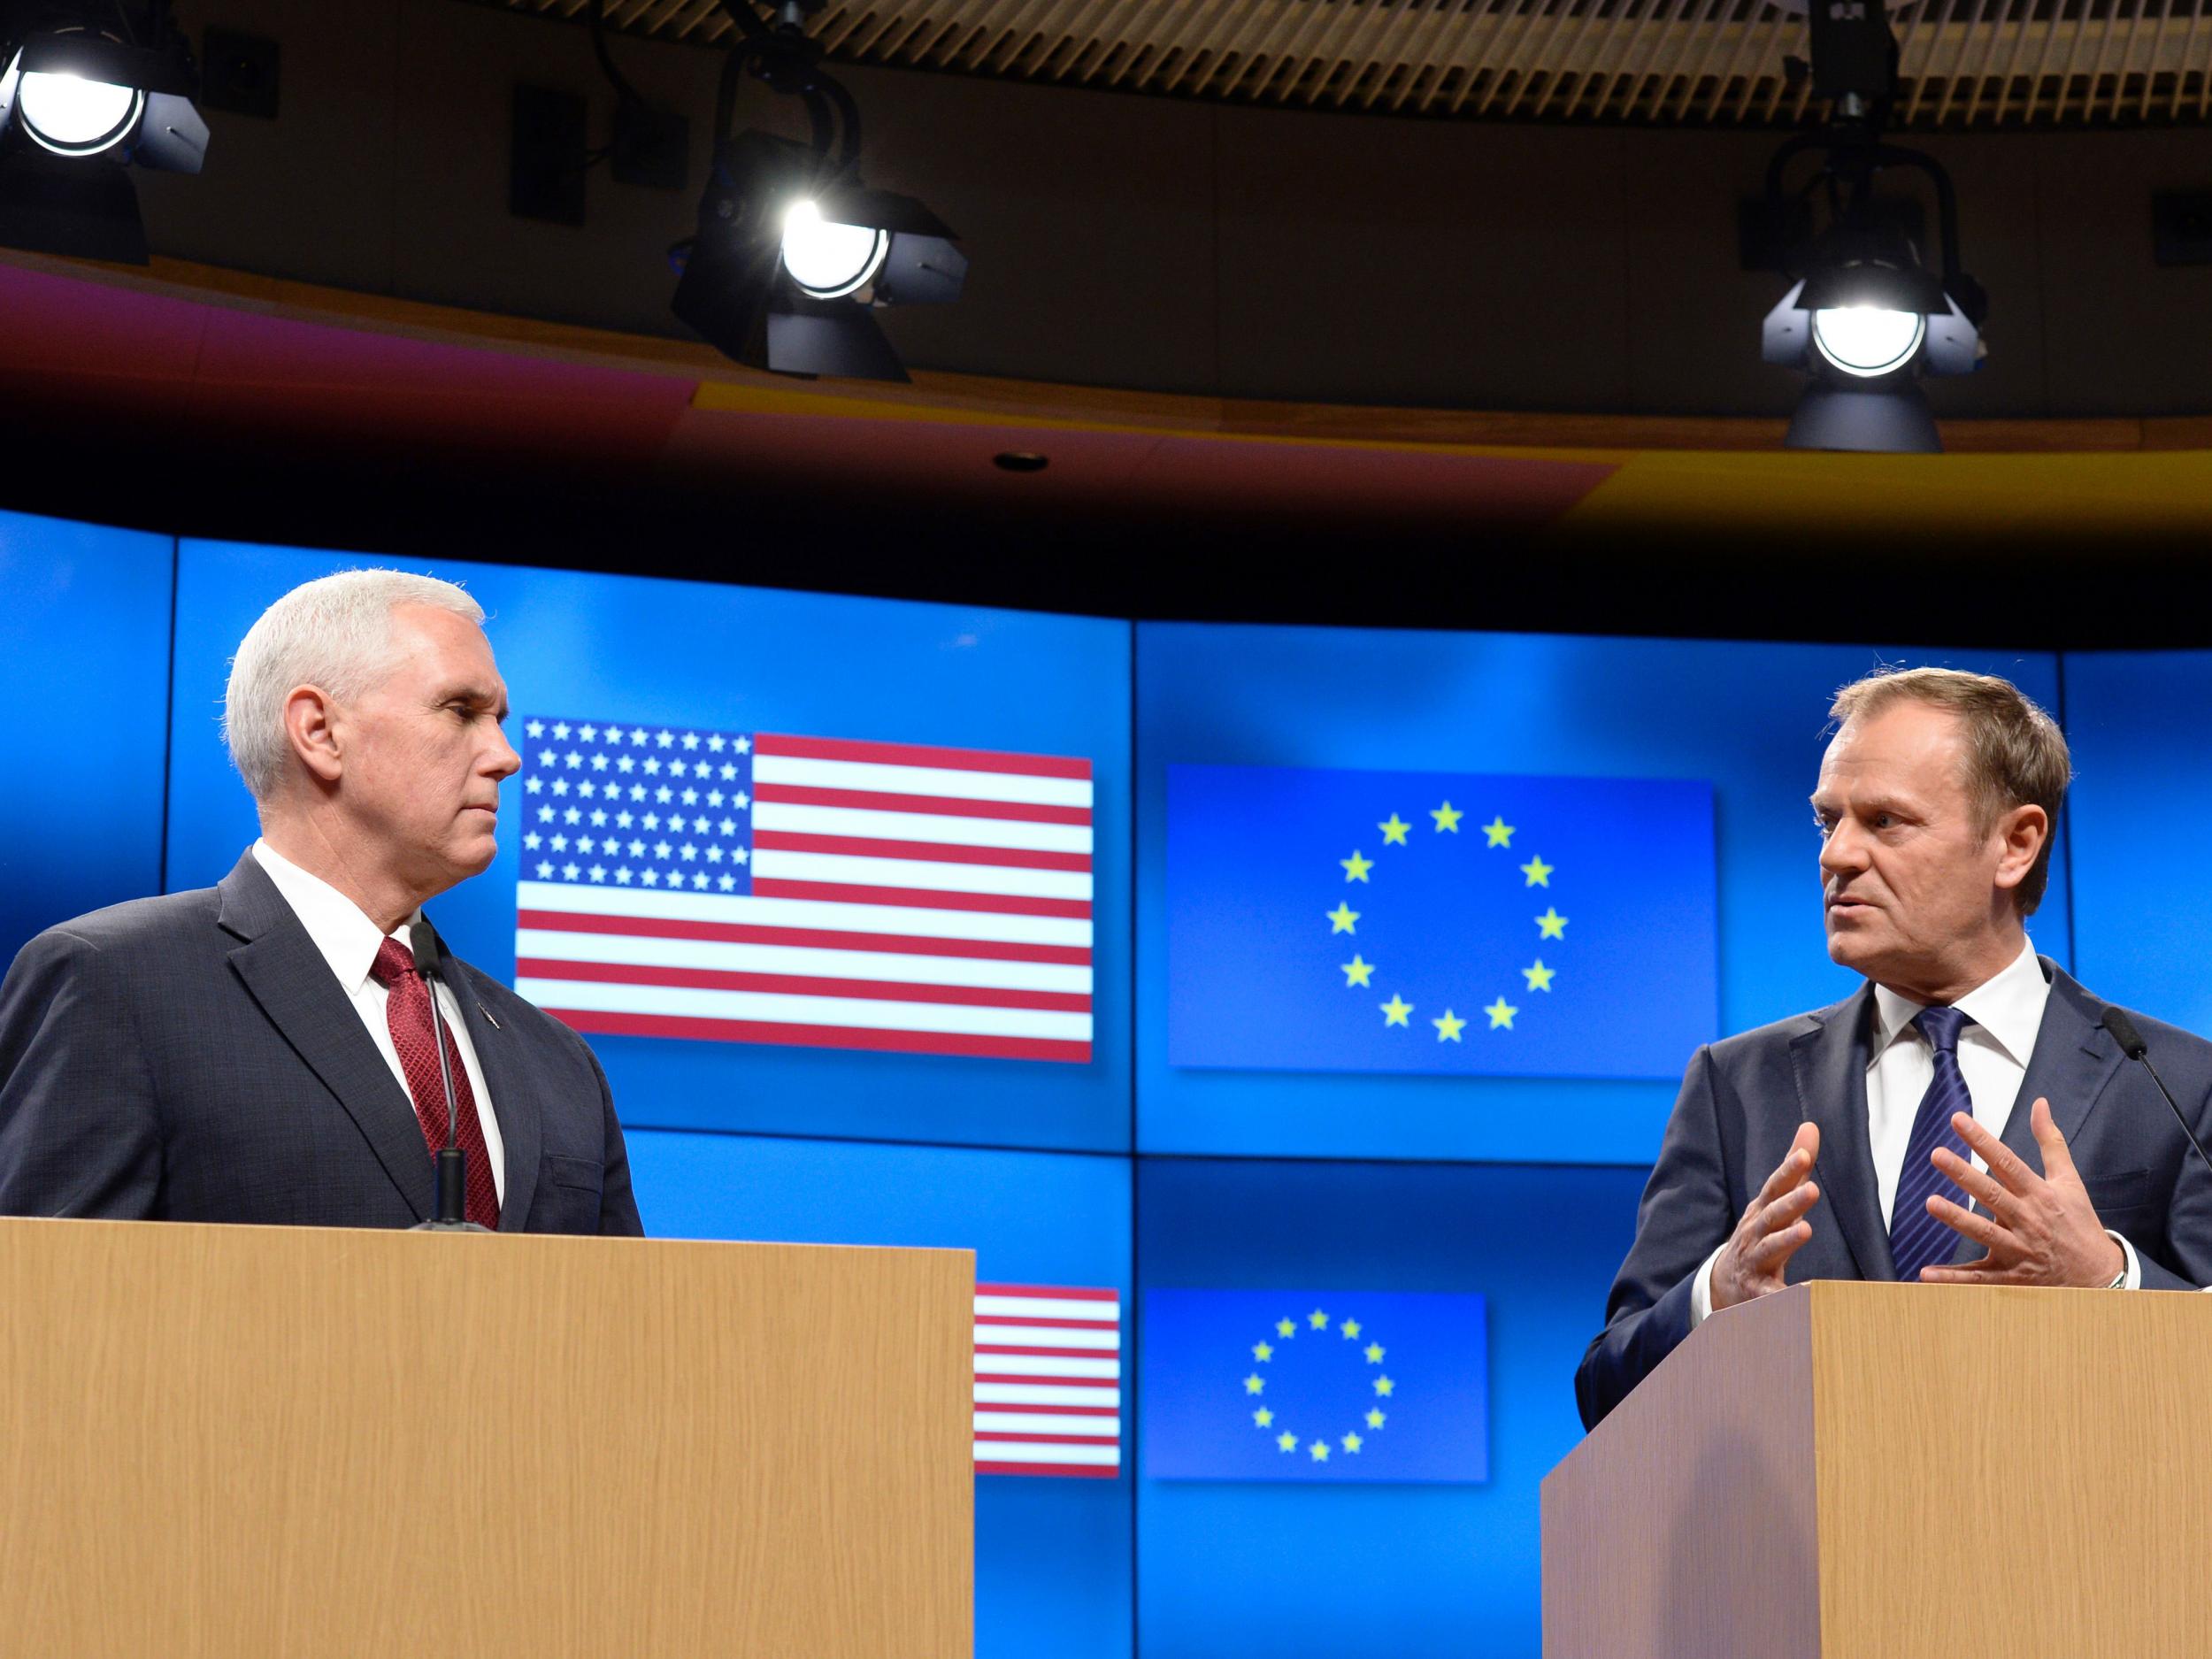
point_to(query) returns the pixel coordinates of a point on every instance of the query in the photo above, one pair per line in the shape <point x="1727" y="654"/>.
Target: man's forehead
<point x="1895" y="747"/>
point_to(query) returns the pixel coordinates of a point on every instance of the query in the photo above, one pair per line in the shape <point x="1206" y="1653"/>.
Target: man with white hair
<point x="264" y="1050"/>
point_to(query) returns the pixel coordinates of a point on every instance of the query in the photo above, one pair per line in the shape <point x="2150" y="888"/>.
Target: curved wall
<point x="1177" y="246"/>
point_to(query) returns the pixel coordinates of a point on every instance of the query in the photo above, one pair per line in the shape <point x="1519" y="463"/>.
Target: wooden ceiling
<point x="1966" y="65"/>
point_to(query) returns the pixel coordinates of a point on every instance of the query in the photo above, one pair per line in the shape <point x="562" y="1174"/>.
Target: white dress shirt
<point x="349" y="942"/>
<point x="2004" y="1014"/>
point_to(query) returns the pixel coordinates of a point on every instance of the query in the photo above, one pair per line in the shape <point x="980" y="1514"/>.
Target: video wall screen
<point x="796" y="862"/>
<point x="1454" y="895"/>
<point x="1290" y="1057"/>
<point x="2139" y="723"/>
<point x="1051" y="1234"/>
<point x="84" y="673"/>
<point x="1354" y="1377"/>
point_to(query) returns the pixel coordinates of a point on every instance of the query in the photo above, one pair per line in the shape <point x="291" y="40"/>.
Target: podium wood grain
<point x="247" y="1442"/>
<point x="1899" y="1472"/>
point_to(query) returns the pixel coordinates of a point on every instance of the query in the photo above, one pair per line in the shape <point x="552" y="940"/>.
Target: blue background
<point x="2140" y="725"/>
<point x="740" y="660"/>
<point x="1315" y="1570"/>
<point x="1262" y="1189"/>
<point x="1447" y="920"/>
<point x="84" y="678"/>
<point x="1749" y="717"/>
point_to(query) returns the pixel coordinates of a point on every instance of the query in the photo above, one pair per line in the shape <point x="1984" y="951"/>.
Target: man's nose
<point x="505" y="761"/>
<point x="1843" y="852"/>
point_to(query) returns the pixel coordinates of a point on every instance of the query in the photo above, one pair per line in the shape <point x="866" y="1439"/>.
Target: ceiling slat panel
<point x="1674" y="62"/>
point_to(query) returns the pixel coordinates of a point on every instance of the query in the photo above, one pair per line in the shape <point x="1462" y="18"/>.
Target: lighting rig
<point x="1865" y="318"/>
<point x="793" y="253"/>
<point x="87" y="91"/>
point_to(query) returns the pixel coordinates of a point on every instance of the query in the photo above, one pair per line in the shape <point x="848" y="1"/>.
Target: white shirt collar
<point x="2008" y="1007"/>
<point x="342" y="930"/>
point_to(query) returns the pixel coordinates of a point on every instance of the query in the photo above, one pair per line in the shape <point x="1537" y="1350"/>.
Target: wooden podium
<point x="1894" y="1472"/>
<point x="242" y="1442"/>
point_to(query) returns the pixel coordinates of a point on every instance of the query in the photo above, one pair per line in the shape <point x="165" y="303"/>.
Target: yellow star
<point x="1447" y="1029"/>
<point x="1385" y="1386"/>
<point x="1537" y="871"/>
<point x="1283" y="1327"/>
<point x="1357" y="866"/>
<point x="1357" y="971"/>
<point x="1539" y="977"/>
<point x="1352" y="1442"/>
<point x="1375" y="1419"/>
<point x="1374" y="1353"/>
<point x="1350" y="1328"/>
<point x="1263" y="1416"/>
<point x="1394" y="829"/>
<point x="1320" y="1450"/>
<point x="1500" y="831"/>
<point x="1553" y="924"/>
<point x="1286" y="1442"/>
<point x="1340" y="919"/>
<point x="1446" y="817"/>
<point x="1263" y="1352"/>
<point x="1317" y="1320"/>
<point x="1395" y="1010"/>
<point x="1255" y="1383"/>
<point x="1502" y="1013"/>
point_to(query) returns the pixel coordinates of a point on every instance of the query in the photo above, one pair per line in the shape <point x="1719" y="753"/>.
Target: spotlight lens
<point x="71" y="116"/>
<point x="1866" y="340"/>
<point x="829" y="260"/>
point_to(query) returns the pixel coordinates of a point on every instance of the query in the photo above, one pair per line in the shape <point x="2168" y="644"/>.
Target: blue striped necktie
<point x="1917" y="1238"/>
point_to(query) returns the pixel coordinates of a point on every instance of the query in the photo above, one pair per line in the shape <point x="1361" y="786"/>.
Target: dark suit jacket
<point x="1741" y="1103"/>
<point x="191" y="1057"/>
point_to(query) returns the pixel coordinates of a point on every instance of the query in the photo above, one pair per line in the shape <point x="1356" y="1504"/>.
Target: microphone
<point x="452" y="1209"/>
<point x="2132" y="1044"/>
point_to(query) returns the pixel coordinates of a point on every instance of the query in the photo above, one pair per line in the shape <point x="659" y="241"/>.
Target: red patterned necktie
<point x="407" y="1014"/>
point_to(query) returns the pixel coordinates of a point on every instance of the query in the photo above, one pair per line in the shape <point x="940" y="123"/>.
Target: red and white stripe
<point x="914" y="899"/>
<point x="1047" y="1381"/>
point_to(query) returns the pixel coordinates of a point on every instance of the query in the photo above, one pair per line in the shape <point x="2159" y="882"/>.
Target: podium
<point x="245" y="1441"/>
<point x="1899" y="1471"/>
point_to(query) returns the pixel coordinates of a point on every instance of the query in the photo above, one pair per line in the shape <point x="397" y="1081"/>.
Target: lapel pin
<point x="486" y="1013"/>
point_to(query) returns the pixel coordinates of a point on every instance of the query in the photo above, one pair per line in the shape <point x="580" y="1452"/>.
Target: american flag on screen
<point x="1047" y="1381"/>
<point x="743" y="887"/>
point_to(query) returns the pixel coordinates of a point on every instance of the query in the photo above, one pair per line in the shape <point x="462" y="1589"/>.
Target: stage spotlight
<point x="1866" y="321"/>
<point x="84" y="91"/>
<point x="793" y="254"/>
<point x="1866" y="318"/>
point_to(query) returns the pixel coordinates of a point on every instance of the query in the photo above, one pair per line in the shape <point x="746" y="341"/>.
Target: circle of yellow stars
<point x="1359" y="973"/>
<point x="1287" y="1440"/>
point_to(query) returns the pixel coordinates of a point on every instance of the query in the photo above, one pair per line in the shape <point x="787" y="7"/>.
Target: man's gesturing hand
<point x="2039" y="1229"/>
<point x="1772" y="1228"/>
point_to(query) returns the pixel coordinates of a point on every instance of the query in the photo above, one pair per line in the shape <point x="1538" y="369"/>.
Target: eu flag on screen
<point x="1315" y="1385"/>
<point x="1448" y="922"/>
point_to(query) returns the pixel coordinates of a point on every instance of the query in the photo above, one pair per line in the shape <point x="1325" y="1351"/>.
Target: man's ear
<point x="310" y="726"/>
<point x="2024" y="831"/>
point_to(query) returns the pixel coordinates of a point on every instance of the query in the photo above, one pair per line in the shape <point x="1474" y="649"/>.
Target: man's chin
<point x="1848" y="948"/>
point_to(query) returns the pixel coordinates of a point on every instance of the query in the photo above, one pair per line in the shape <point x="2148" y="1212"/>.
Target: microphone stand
<point x="452" y="1207"/>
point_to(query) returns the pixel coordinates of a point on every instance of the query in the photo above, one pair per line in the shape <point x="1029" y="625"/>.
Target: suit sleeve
<point x="80" y="1118"/>
<point x="1687" y="1210"/>
<point x="618" y="1204"/>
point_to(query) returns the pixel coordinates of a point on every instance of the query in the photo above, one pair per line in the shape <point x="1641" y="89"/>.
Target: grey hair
<point x="334" y="634"/>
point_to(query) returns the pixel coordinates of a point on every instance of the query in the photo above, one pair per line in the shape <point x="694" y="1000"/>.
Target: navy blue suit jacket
<point x="1743" y="1099"/>
<point x="191" y="1057"/>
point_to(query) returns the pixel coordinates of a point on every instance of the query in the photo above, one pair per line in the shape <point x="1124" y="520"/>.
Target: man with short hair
<point x="1964" y="1118"/>
<point x="264" y="1050"/>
